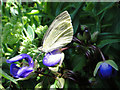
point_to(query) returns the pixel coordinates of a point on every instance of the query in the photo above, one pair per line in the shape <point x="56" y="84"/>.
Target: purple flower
<point x="52" y="58"/>
<point x="21" y="72"/>
<point x="106" y="70"/>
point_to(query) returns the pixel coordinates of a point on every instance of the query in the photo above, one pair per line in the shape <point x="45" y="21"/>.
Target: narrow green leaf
<point x="66" y="84"/>
<point x="104" y="36"/>
<point x="97" y="67"/>
<point x="76" y="24"/>
<point x="33" y="12"/>
<point x="79" y="63"/>
<point x="107" y="41"/>
<point x="105" y="8"/>
<point x="37" y="19"/>
<point x="5" y="75"/>
<point x="113" y="64"/>
<point x="30" y="33"/>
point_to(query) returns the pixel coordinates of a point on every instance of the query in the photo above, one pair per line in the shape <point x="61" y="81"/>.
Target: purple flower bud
<point x="21" y="72"/>
<point x="106" y="70"/>
<point x="52" y="58"/>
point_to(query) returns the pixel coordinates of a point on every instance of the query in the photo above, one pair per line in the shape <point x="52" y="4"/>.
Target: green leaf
<point x="107" y="6"/>
<point x="30" y="33"/>
<point x="13" y="11"/>
<point x="97" y="67"/>
<point x="94" y="36"/>
<point x="33" y="12"/>
<point x="1" y="87"/>
<point x="39" y="85"/>
<point x="79" y="63"/>
<point x="60" y="82"/>
<point x="113" y="64"/>
<point x="5" y="75"/>
<point x="53" y="86"/>
<point x="89" y="6"/>
<point x="37" y="19"/>
<point x="107" y="41"/>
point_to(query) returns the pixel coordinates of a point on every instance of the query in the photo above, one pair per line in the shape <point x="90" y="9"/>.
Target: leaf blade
<point x="5" y="75"/>
<point x="113" y="64"/>
<point x="97" y="67"/>
<point x="107" y="41"/>
<point x="30" y="33"/>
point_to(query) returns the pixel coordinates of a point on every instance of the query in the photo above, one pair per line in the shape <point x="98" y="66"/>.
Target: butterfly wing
<point x="59" y="34"/>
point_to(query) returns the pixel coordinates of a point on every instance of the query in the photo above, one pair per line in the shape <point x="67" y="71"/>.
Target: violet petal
<point x="24" y="72"/>
<point x="14" y="69"/>
<point x="52" y="58"/>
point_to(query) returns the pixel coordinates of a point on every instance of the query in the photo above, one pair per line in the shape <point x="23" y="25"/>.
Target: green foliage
<point x="41" y="30"/>
<point x="5" y="75"/>
<point x="59" y="83"/>
<point x="113" y="64"/>
<point x="30" y="33"/>
<point x="11" y="33"/>
<point x="25" y="23"/>
<point x="96" y="68"/>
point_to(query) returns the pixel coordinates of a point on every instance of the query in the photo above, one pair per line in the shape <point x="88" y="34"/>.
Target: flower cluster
<point x="21" y="72"/>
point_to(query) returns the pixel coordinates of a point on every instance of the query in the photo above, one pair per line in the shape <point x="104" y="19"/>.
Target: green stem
<point x="101" y="54"/>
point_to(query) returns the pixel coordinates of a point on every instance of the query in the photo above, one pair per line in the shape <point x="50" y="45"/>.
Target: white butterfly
<point x="59" y="34"/>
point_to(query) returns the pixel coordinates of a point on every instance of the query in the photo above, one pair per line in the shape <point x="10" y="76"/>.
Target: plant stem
<point x="101" y="54"/>
<point x="62" y="49"/>
<point x="45" y="74"/>
<point x="77" y="40"/>
<point x="99" y="51"/>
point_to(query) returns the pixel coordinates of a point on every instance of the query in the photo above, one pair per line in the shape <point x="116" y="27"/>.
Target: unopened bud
<point x="86" y="35"/>
<point x="84" y="27"/>
<point x="94" y="36"/>
<point x="79" y="36"/>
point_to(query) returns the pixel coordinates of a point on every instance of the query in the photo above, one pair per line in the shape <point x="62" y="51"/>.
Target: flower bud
<point x="79" y="36"/>
<point x="106" y="70"/>
<point x="94" y="36"/>
<point x="86" y="35"/>
<point x="83" y="27"/>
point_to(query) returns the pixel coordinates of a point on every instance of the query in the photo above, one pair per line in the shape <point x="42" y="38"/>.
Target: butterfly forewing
<point x="59" y="34"/>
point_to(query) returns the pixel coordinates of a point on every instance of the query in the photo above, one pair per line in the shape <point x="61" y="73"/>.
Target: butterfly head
<point x="41" y="49"/>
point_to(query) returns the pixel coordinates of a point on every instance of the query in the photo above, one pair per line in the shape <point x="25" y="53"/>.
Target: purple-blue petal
<point x="15" y="59"/>
<point x="52" y="58"/>
<point x="28" y="59"/>
<point x="24" y="72"/>
<point x="14" y="69"/>
<point x="105" y="70"/>
<point x="20" y="57"/>
<point x="21" y="72"/>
